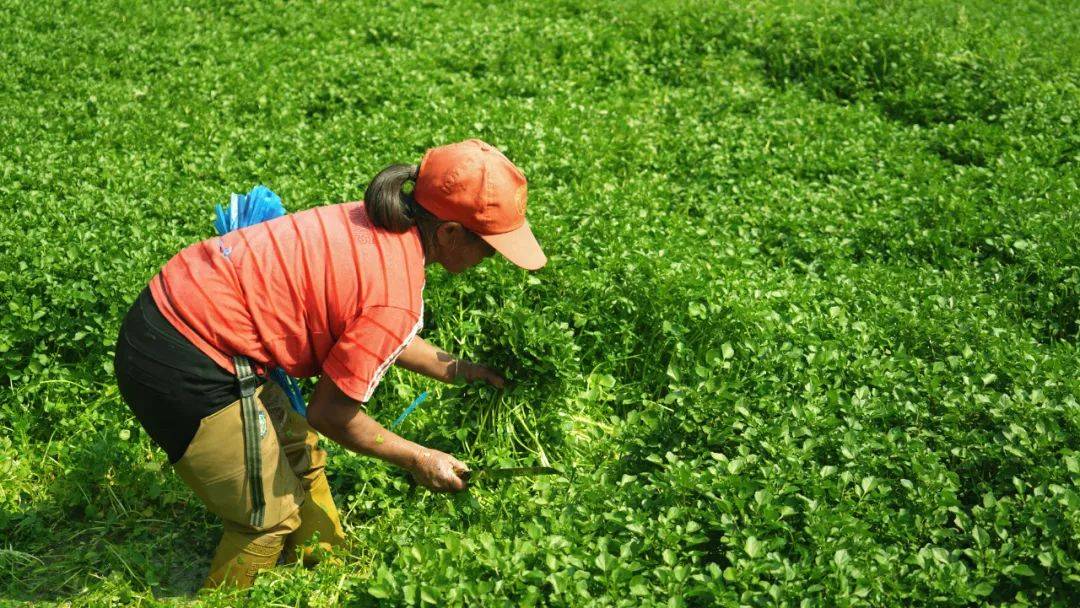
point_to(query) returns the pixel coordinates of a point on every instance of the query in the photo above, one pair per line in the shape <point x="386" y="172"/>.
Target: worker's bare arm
<point x="340" y="417"/>
<point x="422" y="357"/>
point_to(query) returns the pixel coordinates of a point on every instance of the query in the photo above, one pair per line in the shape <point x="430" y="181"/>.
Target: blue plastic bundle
<point x="244" y="210"/>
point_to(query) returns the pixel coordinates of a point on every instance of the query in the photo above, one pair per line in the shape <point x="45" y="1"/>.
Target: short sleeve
<point x="368" y="347"/>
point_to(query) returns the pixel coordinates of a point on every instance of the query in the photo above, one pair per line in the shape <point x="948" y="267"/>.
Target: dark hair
<point x="388" y="204"/>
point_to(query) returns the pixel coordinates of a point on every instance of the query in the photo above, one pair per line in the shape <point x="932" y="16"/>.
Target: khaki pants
<point x="296" y="497"/>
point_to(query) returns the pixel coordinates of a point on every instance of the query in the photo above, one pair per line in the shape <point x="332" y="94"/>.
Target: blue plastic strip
<point x="412" y="406"/>
<point x="291" y="388"/>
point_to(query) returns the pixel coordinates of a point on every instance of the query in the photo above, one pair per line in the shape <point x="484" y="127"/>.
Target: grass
<point x="807" y="336"/>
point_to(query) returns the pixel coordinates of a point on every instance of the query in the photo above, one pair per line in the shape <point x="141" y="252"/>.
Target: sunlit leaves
<point x="807" y="335"/>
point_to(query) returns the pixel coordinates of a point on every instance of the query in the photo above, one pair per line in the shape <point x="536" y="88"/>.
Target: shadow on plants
<point x="105" y="521"/>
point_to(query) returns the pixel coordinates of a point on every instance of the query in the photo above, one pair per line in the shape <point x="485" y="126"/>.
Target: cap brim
<point x="519" y="246"/>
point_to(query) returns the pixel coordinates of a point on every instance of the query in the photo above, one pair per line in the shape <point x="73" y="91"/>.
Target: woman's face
<point x="459" y="248"/>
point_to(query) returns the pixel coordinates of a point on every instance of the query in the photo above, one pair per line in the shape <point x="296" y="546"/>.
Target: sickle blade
<point x="496" y="474"/>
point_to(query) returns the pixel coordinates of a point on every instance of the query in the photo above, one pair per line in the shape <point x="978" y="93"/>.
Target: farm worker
<point x="336" y="292"/>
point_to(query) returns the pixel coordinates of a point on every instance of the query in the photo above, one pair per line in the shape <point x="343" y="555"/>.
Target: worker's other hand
<point x="468" y="371"/>
<point x="438" y="471"/>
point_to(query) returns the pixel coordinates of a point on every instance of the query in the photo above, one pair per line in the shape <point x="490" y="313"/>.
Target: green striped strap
<point x="252" y="452"/>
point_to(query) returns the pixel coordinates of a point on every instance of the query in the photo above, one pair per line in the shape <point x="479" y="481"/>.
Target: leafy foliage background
<point x="808" y="334"/>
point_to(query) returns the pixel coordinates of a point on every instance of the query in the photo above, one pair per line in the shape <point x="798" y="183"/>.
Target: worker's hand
<point x="467" y="371"/>
<point x="438" y="471"/>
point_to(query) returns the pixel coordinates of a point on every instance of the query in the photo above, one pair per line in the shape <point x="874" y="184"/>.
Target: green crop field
<point x="808" y="335"/>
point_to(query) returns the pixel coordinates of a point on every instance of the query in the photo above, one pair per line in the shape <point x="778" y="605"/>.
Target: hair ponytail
<point x="387" y="203"/>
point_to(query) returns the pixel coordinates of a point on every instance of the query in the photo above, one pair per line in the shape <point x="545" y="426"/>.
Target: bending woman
<point x="335" y="292"/>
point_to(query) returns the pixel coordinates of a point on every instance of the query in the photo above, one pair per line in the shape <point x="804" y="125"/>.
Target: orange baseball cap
<point x="473" y="184"/>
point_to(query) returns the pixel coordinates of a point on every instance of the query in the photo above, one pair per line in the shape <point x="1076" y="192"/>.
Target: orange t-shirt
<point x="320" y="290"/>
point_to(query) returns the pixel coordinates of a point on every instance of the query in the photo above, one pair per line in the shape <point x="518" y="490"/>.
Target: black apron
<point x="169" y="384"/>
